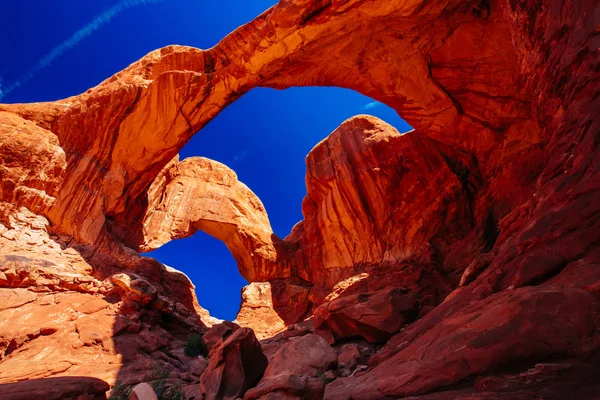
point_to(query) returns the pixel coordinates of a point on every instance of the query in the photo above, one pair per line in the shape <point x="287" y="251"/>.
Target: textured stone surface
<point x="61" y="314"/>
<point x="296" y="370"/>
<point x="268" y="307"/>
<point x="33" y="163"/>
<point x="62" y="388"/>
<point x="257" y="311"/>
<point x="288" y="387"/>
<point x="218" y="332"/>
<point x="513" y="325"/>
<point x="235" y="365"/>
<point x="374" y="316"/>
<point x="307" y="355"/>
<point x="488" y="211"/>
<point x="201" y="194"/>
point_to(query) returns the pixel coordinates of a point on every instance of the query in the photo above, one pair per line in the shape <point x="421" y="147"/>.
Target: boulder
<point x="351" y="355"/>
<point x="136" y="288"/>
<point x="288" y="387"/>
<point x="218" y="332"/>
<point x="307" y="355"/>
<point x="236" y="364"/>
<point x="373" y="316"/>
<point x="297" y="371"/>
<point x="58" y="388"/>
<point x="507" y="327"/>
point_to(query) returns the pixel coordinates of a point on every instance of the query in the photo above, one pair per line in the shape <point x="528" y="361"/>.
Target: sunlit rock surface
<point x="201" y="194"/>
<point x="487" y="213"/>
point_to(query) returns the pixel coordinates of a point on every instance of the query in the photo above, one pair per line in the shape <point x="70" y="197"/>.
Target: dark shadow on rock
<point x="60" y="388"/>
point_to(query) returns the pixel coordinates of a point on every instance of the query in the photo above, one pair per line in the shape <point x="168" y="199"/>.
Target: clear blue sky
<point x="265" y="136"/>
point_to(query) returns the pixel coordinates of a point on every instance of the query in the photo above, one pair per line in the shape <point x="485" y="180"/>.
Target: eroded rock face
<point x="268" y="307"/>
<point x="217" y="333"/>
<point x="488" y="209"/>
<point x="308" y="355"/>
<point x="429" y="80"/>
<point x="236" y="365"/>
<point x="33" y="163"/>
<point x="289" y="387"/>
<point x="61" y="388"/>
<point x="392" y="193"/>
<point x="62" y="316"/>
<point x="257" y="311"/>
<point x="373" y="316"/>
<point x="296" y="369"/>
<point x="502" y="328"/>
<point x="202" y="194"/>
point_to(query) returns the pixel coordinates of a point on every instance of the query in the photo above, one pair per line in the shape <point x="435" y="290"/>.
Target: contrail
<point x="371" y="105"/>
<point x="74" y="40"/>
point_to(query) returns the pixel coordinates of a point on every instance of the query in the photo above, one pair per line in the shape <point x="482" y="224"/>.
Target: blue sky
<point x="54" y="49"/>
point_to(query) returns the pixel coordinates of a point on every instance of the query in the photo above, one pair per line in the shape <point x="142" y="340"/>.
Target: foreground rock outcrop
<point x="486" y="216"/>
<point x="373" y="316"/>
<point x="294" y="371"/>
<point x="236" y="364"/>
<point x="85" y="317"/>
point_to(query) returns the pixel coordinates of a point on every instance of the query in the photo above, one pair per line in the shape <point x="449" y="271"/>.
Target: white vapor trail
<point x="100" y="20"/>
<point x="371" y="105"/>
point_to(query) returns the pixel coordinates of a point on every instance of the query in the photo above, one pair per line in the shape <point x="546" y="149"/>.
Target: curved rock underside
<point x="470" y="242"/>
<point x="202" y="194"/>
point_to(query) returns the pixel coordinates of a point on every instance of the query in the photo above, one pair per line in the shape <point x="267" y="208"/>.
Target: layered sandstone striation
<point x="486" y="216"/>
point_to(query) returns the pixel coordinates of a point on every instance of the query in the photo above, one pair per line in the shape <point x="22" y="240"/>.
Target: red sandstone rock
<point x="257" y="311"/>
<point x="503" y="328"/>
<point x="235" y="365"/>
<point x="137" y="289"/>
<point x="373" y="316"/>
<point x="60" y="388"/>
<point x="495" y="190"/>
<point x="56" y="307"/>
<point x="268" y="307"/>
<point x="201" y="194"/>
<point x="288" y="387"/>
<point x="33" y="163"/>
<point x="295" y="371"/>
<point x="307" y="355"/>
<point x="351" y="355"/>
<point x="217" y="333"/>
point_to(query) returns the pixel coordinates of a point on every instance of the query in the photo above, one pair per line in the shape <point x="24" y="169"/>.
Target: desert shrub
<point x="195" y="346"/>
<point x="162" y="388"/>
<point x="173" y="392"/>
<point x="120" y="391"/>
<point x="321" y="376"/>
<point x="160" y="375"/>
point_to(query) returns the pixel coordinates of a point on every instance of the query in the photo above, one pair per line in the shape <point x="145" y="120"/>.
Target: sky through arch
<point x="53" y="50"/>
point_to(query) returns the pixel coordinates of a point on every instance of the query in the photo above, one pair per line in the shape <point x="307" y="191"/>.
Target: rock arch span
<point x="503" y="96"/>
<point x="120" y="134"/>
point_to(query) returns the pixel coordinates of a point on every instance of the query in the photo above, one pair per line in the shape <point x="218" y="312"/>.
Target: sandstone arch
<point x="163" y="99"/>
<point x="202" y="194"/>
<point x="479" y="103"/>
<point x="503" y="96"/>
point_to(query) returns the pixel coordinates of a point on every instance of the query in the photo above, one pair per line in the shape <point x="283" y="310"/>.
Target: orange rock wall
<point x="488" y="209"/>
